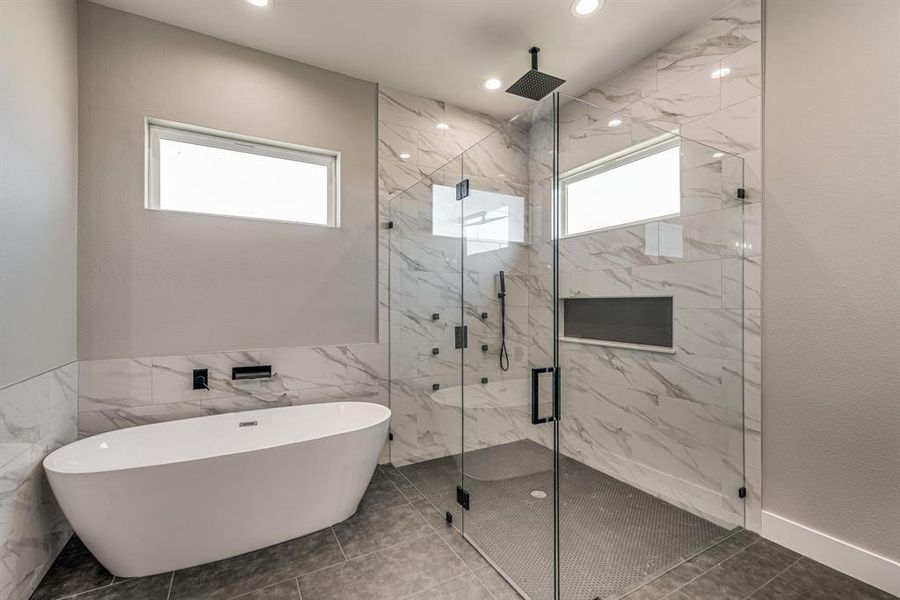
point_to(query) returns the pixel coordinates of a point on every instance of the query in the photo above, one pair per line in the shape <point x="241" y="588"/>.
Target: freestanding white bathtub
<point x="161" y="497"/>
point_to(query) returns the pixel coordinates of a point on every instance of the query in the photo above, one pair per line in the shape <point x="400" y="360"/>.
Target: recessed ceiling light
<point x="492" y="84"/>
<point x="583" y="8"/>
<point x="404" y="156"/>
<point x="259" y="2"/>
<point x="442" y="126"/>
<point x="718" y="155"/>
<point x="615" y="122"/>
<point x="719" y="73"/>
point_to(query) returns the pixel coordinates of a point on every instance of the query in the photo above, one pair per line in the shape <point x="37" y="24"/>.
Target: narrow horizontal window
<point x="637" y="187"/>
<point x="223" y="174"/>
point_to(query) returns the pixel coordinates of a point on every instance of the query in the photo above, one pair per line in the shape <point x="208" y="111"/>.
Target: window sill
<point x="625" y="345"/>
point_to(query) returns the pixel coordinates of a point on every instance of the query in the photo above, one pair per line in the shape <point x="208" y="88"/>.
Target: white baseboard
<point x="874" y="569"/>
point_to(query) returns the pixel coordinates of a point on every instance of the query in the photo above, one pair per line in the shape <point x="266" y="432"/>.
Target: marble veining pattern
<point x="37" y="416"/>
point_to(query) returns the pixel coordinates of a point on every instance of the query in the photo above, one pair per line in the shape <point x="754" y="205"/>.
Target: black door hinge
<point x="462" y="497"/>
<point x="741" y="193"/>
<point x="390" y="224"/>
<point x="461" y="336"/>
<point x="742" y="492"/>
<point x="462" y="189"/>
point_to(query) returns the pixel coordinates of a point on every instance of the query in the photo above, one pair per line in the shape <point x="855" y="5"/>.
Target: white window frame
<point x="608" y="163"/>
<point x="156" y="129"/>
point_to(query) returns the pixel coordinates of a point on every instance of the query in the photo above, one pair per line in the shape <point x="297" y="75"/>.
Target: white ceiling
<point x="443" y="49"/>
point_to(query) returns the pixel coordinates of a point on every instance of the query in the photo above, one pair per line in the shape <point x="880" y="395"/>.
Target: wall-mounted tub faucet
<point x="201" y="379"/>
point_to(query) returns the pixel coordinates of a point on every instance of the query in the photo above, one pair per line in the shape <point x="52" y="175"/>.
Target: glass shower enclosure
<point x="566" y="348"/>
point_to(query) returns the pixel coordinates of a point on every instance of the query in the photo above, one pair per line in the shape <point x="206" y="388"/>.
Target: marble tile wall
<point x="672" y="424"/>
<point x="430" y="274"/>
<point x="37" y="416"/>
<point x="124" y="392"/>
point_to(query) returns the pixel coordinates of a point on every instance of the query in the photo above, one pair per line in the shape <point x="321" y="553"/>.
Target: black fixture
<point x="741" y="193"/>
<point x="484" y="316"/>
<point x="484" y="347"/>
<point x="201" y="379"/>
<point x="257" y="372"/>
<point x="484" y="380"/>
<point x="534" y="85"/>
<point x="462" y="189"/>
<point x="435" y="350"/>
<point x="462" y="497"/>
<point x="435" y="386"/>
<point x="504" y="355"/>
<point x="449" y="518"/>
<point x="461" y="336"/>
<point x="435" y="316"/>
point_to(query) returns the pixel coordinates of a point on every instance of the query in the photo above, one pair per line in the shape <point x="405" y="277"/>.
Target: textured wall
<point x="832" y="277"/>
<point x="38" y="168"/>
<point x="156" y="283"/>
<point x="38" y="124"/>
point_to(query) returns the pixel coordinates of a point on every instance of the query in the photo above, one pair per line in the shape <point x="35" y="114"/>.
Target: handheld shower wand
<point x="504" y="355"/>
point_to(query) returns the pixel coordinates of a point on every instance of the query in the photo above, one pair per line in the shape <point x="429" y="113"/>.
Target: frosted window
<point x="630" y="190"/>
<point x="201" y="173"/>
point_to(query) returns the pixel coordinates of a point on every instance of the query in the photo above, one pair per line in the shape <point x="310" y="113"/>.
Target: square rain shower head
<point x="534" y="85"/>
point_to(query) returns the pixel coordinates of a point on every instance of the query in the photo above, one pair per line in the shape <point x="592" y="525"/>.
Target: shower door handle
<point x="536" y="419"/>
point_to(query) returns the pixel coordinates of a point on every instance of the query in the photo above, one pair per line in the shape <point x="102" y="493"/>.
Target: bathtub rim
<point x="48" y="462"/>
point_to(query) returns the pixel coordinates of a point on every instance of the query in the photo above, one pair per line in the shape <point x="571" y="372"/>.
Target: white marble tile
<point x="695" y="96"/>
<point x="735" y="27"/>
<point x="704" y="236"/>
<point x="105" y="384"/>
<point x="599" y="283"/>
<point x="744" y="78"/>
<point x="736" y="129"/>
<point x="626" y="87"/>
<point x="691" y="285"/>
<point x="708" y="333"/>
<point x="173" y="376"/>
<point x="306" y="368"/>
<point x="409" y="110"/>
<point x="621" y="247"/>
<point x="397" y="143"/>
<point x="366" y="363"/>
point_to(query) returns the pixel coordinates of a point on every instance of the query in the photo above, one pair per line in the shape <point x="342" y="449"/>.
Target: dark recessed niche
<point x="643" y="321"/>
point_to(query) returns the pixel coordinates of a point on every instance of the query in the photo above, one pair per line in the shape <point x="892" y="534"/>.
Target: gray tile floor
<point x="747" y="567"/>
<point x="612" y="535"/>
<point x="397" y="546"/>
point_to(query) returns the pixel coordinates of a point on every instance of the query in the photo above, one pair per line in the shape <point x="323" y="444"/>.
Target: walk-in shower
<point x="611" y="447"/>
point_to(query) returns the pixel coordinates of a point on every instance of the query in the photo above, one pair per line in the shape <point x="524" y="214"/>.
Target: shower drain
<point x="539" y="494"/>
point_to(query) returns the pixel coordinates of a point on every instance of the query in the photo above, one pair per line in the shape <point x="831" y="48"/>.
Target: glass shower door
<point x="508" y="283"/>
<point x="425" y="311"/>
<point x="650" y="268"/>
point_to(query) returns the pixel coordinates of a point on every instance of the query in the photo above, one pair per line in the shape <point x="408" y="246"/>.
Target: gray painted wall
<point x="831" y="433"/>
<point x="38" y="169"/>
<point x="154" y="283"/>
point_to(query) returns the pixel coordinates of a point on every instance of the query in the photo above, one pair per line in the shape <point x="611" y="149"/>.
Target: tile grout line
<point x="341" y="548"/>
<point x="171" y="583"/>
<point x="297" y="583"/>
<point x="718" y="564"/>
<point x="624" y="595"/>
<point x="776" y="576"/>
